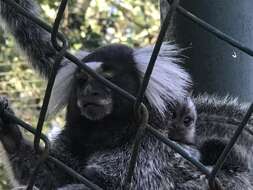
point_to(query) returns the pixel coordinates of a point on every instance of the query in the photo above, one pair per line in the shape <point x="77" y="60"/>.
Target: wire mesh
<point x="140" y="109"/>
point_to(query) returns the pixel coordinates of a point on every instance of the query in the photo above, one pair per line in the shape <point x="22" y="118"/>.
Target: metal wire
<point x="57" y="63"/>
<point x="144" y="126"/>
<point x="143" y="116"/>
<point x="155" y="52"/>
<point x="230" y="145"/>
<point x="178" y="149"/>
<point x="73" y="173"/>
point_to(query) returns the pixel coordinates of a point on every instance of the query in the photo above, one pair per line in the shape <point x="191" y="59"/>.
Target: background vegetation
<point x="87" y="24"/>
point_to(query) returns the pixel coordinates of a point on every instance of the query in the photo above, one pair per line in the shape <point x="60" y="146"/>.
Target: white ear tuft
<point x="61" y="89"/>
<point x="168" y="82"/>
<point x="63" y="86"/>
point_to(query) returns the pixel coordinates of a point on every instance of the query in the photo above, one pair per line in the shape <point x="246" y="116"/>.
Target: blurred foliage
<point x="87" y="24"/>
<point x="4" y="183"/>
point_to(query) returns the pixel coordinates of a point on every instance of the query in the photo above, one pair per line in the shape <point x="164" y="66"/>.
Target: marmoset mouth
<point x="91" y="109"/>
<point x="96" y="109"/>
<point x="94" y="102"/>
<point x="91" y="104"/>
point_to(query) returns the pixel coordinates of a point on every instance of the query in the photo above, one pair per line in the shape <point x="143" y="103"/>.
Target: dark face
<point x="94" y="100"/>
<point x="182" y="120"/>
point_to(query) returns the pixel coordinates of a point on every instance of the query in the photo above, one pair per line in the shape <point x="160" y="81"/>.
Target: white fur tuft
<point x="168" y="82"/>
<point x="63" y="86"/>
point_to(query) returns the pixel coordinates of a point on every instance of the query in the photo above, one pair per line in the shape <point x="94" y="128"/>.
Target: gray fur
<point x="180" y="174"/>
<point x="34" y="42"/>
<point x="23" y="188"/>
<point x="161" y="169"/>
<point x="237" y="160"/>
<point x="74" y="187"/>
<point x="158" y="167"/>
<point x="220" y="117"/>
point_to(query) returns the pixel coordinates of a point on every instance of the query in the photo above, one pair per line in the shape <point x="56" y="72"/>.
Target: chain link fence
<point x="139" y="107"/>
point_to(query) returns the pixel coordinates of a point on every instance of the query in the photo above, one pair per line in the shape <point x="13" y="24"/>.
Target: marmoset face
<point x="182" y="120"/>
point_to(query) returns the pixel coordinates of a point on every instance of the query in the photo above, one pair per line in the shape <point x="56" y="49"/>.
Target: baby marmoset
<point x="182" y="120"/>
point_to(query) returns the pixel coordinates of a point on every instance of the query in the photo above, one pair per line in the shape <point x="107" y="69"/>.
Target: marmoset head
<point x="124" y="67"/>
<point x="182" y="120"/>
<point x="96" y="101"/>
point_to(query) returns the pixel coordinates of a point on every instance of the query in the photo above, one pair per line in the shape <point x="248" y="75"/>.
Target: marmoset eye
<point x="108" y="74"/>
<point x="187" y="120"/>
<point x="81" y="76"/>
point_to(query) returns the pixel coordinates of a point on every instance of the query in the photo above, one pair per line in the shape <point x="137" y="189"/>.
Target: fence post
<point x="216" y="66"/>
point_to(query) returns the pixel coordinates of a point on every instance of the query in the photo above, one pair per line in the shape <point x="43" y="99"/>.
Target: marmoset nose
<point x="92" y="91"/>
<point x="173" y="125"/>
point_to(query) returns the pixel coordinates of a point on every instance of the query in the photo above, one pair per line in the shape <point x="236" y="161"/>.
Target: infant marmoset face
<point x="182" y="119"/>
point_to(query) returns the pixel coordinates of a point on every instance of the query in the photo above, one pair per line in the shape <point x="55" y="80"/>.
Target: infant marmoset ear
<point x="190" y="93"/>
<point x="189" y="96"/>
<point x="211" y="149"/>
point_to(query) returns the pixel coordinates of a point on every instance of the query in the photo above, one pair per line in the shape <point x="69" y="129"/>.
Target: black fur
<point x="105" y="144"/>
<point x="33" y="41"/>
<point x="237" y="160"/>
